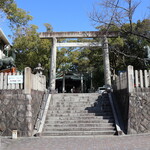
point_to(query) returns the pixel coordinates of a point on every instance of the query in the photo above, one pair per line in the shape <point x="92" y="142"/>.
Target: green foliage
<point x="117" y="41"/>
<point x="96" y="66"/>
<point x="82" y="61"/>
<point x="63" y="62"/>
<point x="49" y="27"/>
<point x="31" y="50"/>
<point x="129" y="48"/>
<point x="17" y="16"/>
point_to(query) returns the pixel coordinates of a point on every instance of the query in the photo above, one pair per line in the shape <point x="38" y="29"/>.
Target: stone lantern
<point x="39" y="69"/>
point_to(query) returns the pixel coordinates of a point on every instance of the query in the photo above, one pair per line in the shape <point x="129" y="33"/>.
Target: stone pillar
<point x="107" y="72"/>
<point x="29" y="115"/>
<point x="27" y="81"/>
<point x="53" y="66"/>
<point x="146" y="78"/>
<point x="130" y="79"/>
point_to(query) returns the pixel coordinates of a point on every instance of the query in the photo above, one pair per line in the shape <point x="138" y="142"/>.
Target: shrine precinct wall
<point x="133" y="98"/>
<point x="18" y="111"/>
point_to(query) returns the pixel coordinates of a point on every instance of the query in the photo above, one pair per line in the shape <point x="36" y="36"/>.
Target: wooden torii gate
<point x="83" y="34"/>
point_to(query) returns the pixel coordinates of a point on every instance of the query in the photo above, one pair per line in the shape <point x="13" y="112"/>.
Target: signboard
<point x="15" y="79"/>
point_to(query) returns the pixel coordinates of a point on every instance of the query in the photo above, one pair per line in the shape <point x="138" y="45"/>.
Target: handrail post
<point x="27" y="80"/>
<point x="130" y="79"/>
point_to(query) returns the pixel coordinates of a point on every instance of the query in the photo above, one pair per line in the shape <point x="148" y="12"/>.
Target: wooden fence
<point x="26" y="81"/>
<point x="132" y="79"/>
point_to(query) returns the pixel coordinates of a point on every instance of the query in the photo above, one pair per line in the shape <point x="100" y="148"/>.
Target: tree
<point x="130" y="47"/>
<point x="31" y="50"/>
<point x="17" y="17"/>
<point x="117" y="13"/>
<point x="49" y="27"/>
<point x="82" y="61"/>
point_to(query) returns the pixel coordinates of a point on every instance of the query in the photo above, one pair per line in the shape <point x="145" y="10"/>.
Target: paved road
<point x="139" y="142"/>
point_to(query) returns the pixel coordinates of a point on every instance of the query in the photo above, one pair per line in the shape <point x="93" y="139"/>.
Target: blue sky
<point x="65" y="15"/>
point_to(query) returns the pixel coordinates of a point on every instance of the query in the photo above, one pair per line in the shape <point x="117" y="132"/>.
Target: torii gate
<point x="86" y="34"/>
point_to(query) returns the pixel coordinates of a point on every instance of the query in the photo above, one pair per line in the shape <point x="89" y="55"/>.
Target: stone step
<point x="82" y="95"/>
<point x="76" y="100"/>
<point x="99" y="107"/>
<point x="77" y="133"/>
<point x="78" y="109"/>
<point x="80" y="125"/>
<point x="68" y="111"/>
<point x="73" y="105"/>
<point x="99" y="110"/>
<point x="55" y="121"/>
<point x="78" y="103"/>
<point x="82" y="118"/>
<point x="83" y="107"/>
<point x="82" y="98"/>
<point x="104" y="113"/>
<point x="78" y="114"/>
<point x="82" y="110"/>
<point x="79" y="99"/>
<point x="85" y="110"/>
<point x="52" y="107"/>
<point x="79" y="129"/>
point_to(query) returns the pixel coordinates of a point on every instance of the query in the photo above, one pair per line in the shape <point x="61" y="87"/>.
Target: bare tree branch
<point x="114" y="13"/>
<point x="126" y="55"/>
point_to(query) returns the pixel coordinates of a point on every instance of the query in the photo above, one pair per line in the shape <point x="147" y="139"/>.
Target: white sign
<point x="15" y="79"/>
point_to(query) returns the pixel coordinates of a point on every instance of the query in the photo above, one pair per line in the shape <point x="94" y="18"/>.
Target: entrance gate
<point x="87" y="34"/>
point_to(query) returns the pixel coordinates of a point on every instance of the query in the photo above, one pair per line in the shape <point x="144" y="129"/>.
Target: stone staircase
<point x="79" y="115"/>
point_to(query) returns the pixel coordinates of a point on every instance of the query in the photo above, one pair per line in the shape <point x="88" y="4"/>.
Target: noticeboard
<point x="15" y="79"/>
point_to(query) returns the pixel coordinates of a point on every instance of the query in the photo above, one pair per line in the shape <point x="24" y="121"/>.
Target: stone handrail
<point x="42" y="115"/>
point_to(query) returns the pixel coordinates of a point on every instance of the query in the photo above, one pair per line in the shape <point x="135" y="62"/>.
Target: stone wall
<point x="18" y="111"/>
<point x="135" y="110"/>
<point x="139" y="112"/>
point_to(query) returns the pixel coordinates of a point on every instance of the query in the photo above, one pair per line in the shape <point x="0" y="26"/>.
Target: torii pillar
<point x="107" y="72"/>
<point x="53" y="65"/>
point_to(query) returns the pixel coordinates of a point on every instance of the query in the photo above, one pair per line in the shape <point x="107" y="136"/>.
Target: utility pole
<point x="107" y="72"/>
